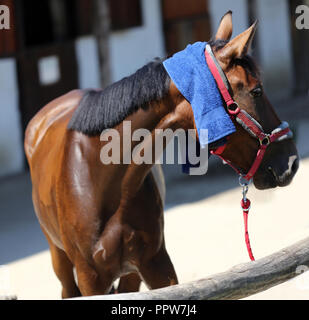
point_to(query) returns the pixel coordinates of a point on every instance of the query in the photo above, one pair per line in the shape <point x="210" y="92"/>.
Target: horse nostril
<point x="272" y="171"/>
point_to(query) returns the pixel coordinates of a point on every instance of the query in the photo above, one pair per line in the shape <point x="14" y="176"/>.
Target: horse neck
<point x="173" y="112"/>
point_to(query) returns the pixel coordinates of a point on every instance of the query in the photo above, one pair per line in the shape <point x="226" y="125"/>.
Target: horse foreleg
<point x="159" y="272"/>
<point x="90" y="281"/>
<point x="129" y="283"/>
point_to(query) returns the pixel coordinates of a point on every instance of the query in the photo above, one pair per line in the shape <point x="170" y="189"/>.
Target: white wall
<point x="132" y="48"/>
<point x="11" y="148"/>
<point x="218" y="8"/>
<point x="88" y="62"/>
<point x="275" y="46"/>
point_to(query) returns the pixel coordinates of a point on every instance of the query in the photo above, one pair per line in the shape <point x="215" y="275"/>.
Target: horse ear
<point x="225" y="29"/>
<point x="239" y="46"/>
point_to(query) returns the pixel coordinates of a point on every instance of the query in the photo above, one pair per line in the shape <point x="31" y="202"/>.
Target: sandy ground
<point x="203" y="229"/>
<point x="204" y="238"/>
<point x="209" y="235"/>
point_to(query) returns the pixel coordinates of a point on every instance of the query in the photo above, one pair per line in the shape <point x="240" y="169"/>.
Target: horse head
<point x="281" y="161"/>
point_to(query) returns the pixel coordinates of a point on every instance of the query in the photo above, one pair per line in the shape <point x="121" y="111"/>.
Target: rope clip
<point x="245" y="187"/>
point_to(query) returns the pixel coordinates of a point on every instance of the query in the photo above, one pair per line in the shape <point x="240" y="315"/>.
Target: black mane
<point x="104" y="109"/>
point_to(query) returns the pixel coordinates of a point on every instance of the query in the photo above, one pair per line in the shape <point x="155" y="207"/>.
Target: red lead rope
<point x="245" y="204"/>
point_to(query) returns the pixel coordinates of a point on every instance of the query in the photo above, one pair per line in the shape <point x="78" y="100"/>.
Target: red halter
<point x="252" y="127"/>
<point x="246" y="121"/>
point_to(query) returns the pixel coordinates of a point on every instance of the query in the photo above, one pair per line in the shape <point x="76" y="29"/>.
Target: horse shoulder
<point x="47" y="117"/>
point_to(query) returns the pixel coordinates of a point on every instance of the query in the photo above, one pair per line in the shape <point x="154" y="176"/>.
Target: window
<point x="125" y="14"/>
<point x="50" y="21"/>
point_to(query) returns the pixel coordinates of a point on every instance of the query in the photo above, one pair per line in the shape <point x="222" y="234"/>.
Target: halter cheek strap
<point x="252" y="126"/>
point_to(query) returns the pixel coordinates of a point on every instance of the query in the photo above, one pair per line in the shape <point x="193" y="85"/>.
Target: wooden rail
<point x="239" y="282"/>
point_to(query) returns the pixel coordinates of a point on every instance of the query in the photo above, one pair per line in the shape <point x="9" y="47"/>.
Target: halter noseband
<point x="252" y="126"/>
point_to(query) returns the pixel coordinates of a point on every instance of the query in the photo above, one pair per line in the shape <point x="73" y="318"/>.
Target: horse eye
<point x="257" y="92"/>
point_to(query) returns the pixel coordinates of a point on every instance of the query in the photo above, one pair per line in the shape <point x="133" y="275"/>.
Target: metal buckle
<point x="265" y="141"/>
<point x="233" y="108"/>
<point x="243" y="182"/>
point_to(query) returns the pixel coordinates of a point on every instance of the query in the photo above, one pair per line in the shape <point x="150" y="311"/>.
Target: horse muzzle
<point x="276" y="173"/>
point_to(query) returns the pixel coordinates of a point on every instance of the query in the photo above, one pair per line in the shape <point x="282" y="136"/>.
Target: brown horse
<point x="107" y="220"/>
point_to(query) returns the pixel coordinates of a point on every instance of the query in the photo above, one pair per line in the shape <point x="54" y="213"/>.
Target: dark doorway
<point x="185" y="22"/>
<point x="47" y="66"/>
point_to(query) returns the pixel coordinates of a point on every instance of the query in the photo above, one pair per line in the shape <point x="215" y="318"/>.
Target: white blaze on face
<point x="291" y="162"/>
<point x="292" y="159"/>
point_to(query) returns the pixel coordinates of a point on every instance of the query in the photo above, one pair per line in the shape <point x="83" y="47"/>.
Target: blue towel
<point x="190" y="73"/>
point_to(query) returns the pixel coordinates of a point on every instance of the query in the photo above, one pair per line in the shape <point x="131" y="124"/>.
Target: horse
<point x="105" y="222"/>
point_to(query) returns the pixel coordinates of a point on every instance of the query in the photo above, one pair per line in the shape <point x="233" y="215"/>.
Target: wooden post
<point x="102" y="33"/>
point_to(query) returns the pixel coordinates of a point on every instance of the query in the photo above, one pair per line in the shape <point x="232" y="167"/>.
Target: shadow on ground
<point x="182" y="188"/>
<point x="20" y="233"/>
